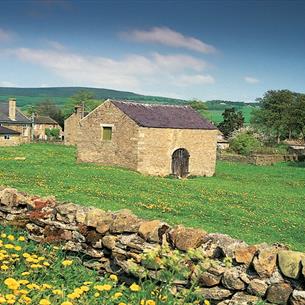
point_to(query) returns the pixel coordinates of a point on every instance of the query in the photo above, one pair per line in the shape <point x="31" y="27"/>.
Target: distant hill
<point x="32" y="96"/>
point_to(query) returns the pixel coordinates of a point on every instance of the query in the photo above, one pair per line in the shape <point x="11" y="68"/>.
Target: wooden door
<point x="180" y="163"/>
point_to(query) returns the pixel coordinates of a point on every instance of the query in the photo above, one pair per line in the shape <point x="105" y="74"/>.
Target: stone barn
<point x="151" y="139"/>
<point x="71" y="125"/>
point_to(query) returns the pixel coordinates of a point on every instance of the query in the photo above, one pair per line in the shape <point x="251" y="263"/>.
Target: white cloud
<point x="168" y="37"/>
<point x="133" y="72"/>
<point x="197" y="79"/>
<point x="7" y="84"/>
<point x="251" y="80"/>
<point x="5" y="36"/>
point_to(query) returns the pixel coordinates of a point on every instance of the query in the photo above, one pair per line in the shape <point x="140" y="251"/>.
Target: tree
<point x="277" y="114"/>
<point x="49" y="108"/>
<point x="298" y="113"/>
<point x="198" y="105"/>
<point x="82" y="96"/>
<point x="232" y="120"/>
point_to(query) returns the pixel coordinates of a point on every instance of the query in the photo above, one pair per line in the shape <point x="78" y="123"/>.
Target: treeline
<point x="48" y="107"/>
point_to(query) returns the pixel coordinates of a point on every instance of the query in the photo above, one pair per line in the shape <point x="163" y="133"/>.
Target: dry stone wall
<point x="257" y="159"/>
<point x="228" y="271"/>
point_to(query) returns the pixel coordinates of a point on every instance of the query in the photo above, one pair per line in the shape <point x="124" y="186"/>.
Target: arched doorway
<point x="180" y="163"/>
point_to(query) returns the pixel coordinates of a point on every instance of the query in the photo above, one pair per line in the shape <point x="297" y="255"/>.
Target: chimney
<point x="12" y="109"/>
<point x="80" y="110"/>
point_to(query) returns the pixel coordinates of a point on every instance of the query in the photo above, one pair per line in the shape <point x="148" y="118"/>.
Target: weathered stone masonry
<point x="112" y="239"/>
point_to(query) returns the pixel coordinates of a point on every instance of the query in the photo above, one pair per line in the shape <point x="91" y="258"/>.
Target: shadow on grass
<point x="297" y="164"/>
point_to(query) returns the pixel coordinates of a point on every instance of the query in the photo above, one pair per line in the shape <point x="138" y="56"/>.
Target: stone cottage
<point x="71" y="126"/>
<point x="9" y="137"/>
<point x="41" y="123"/>
<point x="11" y="117"/>
<point x="151" y="139"/>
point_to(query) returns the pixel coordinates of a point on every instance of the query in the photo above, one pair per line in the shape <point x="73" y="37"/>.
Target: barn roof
<point x="164" y="116"/>
<point x="4" y="130"/>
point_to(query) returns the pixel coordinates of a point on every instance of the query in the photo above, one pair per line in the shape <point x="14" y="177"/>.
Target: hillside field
<point x="215" y="115"/>
<point x="257" y="204"/>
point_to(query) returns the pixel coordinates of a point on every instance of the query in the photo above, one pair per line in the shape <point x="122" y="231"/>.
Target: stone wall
<point x="259" y="159"/>
<point x="121" y="150"/>
<point x="228" y="271"/>
<point x="12" y="141"/>
<point x="71" y="129"/>
<point x="155" y="156"/>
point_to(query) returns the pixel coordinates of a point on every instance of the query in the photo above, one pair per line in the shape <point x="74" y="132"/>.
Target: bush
<point x="52" y="133"/>
<point x="245" y="143"/>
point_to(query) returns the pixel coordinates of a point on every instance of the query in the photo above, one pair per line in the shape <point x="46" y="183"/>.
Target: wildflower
<point x="4" y="267"/>
<point x="46" y="286"/>
<point x="11" y="283"/>
<point x="58" y="292"/>
<point x="67" y="263"/>
<point x="44" y="302"/>
<point x="73" y="296"/>
<point x="113" y="277"/>
<point x="103" y="287"/>
<point x="206" y="302"/>
<point x="117" y="295"/>
<point x="134" y="287"/>
<point x="84" y="288"/>
<point x="66" y="303"/>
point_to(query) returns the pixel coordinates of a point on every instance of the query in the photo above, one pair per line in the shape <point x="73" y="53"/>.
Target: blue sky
<point x="233" y="50"/>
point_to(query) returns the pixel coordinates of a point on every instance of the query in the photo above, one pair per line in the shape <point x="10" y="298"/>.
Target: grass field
<point x="215" y="115"/>
<point x="254" y="203"/>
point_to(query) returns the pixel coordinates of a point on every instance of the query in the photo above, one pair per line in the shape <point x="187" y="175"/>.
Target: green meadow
<point x="257" y="204"/>
<point x="215" y="115"/>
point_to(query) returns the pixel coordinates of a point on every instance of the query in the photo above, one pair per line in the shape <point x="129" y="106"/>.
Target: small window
<point x="107" y="133"/>
<point x="6" y="137"/>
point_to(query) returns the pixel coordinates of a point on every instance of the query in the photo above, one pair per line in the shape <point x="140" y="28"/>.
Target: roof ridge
<point x="142" y="103"/>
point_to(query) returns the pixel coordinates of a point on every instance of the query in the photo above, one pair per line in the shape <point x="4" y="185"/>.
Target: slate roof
<point x="4" y="118"/>
<point x="4" y="130"/>
<point x="44" y="120"/>
<point x="164" y="116"/>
